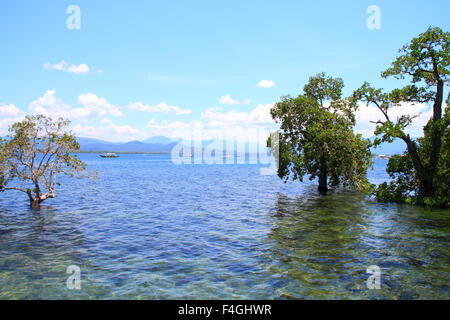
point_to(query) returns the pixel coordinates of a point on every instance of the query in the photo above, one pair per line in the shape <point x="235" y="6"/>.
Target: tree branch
<point x="3" y="188"/>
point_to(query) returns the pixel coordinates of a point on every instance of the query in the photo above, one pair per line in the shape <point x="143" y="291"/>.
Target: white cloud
<point x="198" y="130"/>
<point x="10" y="111"/>
<point x="226" y="99"/>
<point x="9" y="114"/>
<point x="49" y="105"/>
<point x="64" y="66"/>
<point x="215" y="124"/>
<point x="366" y="114"/>
<point x="81" y="68"/>
<point x="110" y="132"/>
<point x="58" y="66"/>
<point x="175" y="129"/>
<point x="260" y="115"/>
<point x="160" y="108"/>
<point x="98" y="105"/>
<point x="92" y="106"/>
<point x="266" y="84"/>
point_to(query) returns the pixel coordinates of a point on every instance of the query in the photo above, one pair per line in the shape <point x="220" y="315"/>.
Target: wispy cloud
<point x="64" y="66"/>
<point x="160" y="108"/>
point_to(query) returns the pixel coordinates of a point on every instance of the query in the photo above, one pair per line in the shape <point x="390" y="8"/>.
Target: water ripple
<point x="149" y="229"/>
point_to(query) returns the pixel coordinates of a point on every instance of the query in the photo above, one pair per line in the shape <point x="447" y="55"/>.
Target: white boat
<point x="109" y="155"/>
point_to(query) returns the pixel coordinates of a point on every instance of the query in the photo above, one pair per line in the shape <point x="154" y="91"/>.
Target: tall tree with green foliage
<point x="36" y="150"/>
<point x="316" y="136"/>
<point x="425" y="60"/>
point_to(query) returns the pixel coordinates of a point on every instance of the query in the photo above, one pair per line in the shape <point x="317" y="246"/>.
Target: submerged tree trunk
<point x="323" y="185"/>
<point x="35" y="203"/>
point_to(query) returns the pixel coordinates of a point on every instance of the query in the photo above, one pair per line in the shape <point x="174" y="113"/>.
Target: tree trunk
<point x="323" y="188"/>
<point x="437" y="107"/>
<point x="436" y="135"/>
<point x="425" y="175"/>
<point x="425" y="179"/>
<point x="35" y="203"/>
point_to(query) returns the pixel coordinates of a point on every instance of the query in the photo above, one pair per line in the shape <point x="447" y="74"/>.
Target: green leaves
<point x="410" y="93"/>
<point x="317" y="135"/>
<point x="322" y="88"/>
<point x="425" y="58"/>
<point x="422" y="174"/>
<point x="36" y="150"/>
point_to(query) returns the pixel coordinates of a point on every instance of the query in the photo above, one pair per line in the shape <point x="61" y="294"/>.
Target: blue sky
<point x="136" y="69"/>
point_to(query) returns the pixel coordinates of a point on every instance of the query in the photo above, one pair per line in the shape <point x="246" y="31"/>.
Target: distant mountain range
<point x="153" y="145"/>
<point x="162" y="144"/>
<point x="157" y="144"/>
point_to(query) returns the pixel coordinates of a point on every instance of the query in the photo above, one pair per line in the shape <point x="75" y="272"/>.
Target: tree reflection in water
<point x="322" y="246"/>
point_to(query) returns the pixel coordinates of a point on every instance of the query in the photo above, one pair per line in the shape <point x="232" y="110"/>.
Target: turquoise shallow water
<point x="149" y="229"/>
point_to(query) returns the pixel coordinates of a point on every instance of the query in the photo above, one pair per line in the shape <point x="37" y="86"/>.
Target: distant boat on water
<point x="109" y="155"/>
